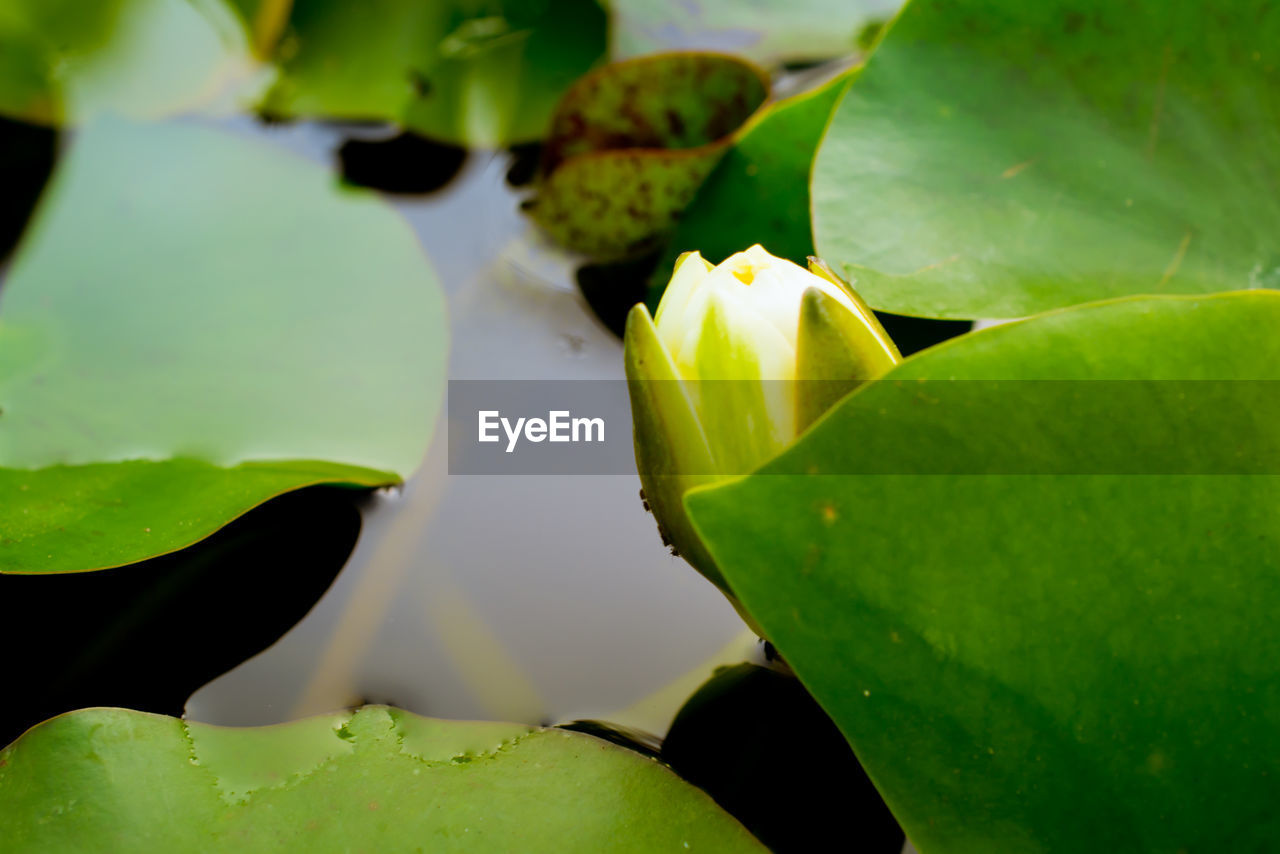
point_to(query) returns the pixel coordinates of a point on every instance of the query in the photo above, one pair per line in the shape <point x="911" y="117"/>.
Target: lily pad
<point x="762" y="30"/>
<point x="483" y="74"/>
<point x="1026" y="658"/>
<point x="631" y="143"/>
<point x="193" y="324"/>
<point x="378" y="779"/>
<point x="999" y="158"/>
<point x="65" y="61"/>
<point x="759" y="192"/>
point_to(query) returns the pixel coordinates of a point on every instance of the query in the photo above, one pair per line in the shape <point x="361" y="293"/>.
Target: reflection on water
<point x="523" y="598"/>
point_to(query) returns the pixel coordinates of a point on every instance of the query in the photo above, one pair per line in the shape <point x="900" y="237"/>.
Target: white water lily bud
<point x="713" y="378"/>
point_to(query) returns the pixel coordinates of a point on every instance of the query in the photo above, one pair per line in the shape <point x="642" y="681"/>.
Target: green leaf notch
<point x="376" y="779"/>
<point x="193" y="324"/>
<point x="998" y="158"/>
<point x="1026" y="658"/>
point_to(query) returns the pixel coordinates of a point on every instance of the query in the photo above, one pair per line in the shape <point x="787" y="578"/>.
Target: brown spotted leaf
<point x="630" y="144"/>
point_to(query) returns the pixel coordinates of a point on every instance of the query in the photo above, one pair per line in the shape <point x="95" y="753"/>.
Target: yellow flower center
<point x="745" y="271"/>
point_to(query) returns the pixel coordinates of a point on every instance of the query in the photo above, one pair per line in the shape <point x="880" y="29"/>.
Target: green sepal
<point x="836" y="350"/>
<point x="820" y="268"/>
<point x="672" y="454"/>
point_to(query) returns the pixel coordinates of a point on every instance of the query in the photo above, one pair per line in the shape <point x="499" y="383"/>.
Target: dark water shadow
<point x="405" y="164"/>
<point x="525" y="158"/>
<point x="612" y="288"/>
<point x="913" y="334"/>
<point x="147" y="636"/>
<point x="27" y="155"/>
<point x="753" y="739"/>
<point x="632" y="739"/>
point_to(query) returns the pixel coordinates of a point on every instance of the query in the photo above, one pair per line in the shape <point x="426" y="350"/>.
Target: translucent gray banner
<point x="1066" y="427"/>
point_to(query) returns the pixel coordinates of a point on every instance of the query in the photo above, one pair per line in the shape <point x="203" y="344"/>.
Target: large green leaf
<point x="473" y="72"/>
<point x="376" y="780"/>
<point x="193" y="324"/>
<point x="759" y="192"/>
<point x="999" y="157"/>
<point x="1038" y="660"/>
<point x="764" y="30"/>
<point x="64" y="60"/>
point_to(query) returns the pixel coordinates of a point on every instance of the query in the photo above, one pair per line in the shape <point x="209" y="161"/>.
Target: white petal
<point x="672" y="309"/>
